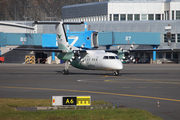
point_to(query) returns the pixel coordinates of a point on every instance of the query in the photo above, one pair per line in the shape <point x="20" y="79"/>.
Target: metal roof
<point x="82" y="10"/>
<point x="16" y="25"/>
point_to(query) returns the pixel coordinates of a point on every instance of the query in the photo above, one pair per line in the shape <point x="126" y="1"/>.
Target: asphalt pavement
<point x="154" y="88"/>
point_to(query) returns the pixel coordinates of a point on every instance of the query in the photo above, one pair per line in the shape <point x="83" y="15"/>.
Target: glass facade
<point x="110" y="17"/>
<point x="168" y="55"/>
<point x="165" y="38"/>
<point x="167" y="15"/>
<point x="172" y="15"/>
<point x="143" y="16"/>
<point x="150" y="16"/>
<point x="116" y="17"/>
<point x="173" y="37"/>
<point x="130" y="17"/>
<point x="162" y="16"/>
<point x="175" y="55"/>
<point x="123" y="17"/>
<point x="178" y="37"/>
<point x="159" y="55"/>
<point x="177" y="15"/>
<point x="136" y="17"/>
<point x="158" y="17"/>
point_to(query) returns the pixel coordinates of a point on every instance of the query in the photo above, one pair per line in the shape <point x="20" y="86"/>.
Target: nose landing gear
<point x="116" y="72"/>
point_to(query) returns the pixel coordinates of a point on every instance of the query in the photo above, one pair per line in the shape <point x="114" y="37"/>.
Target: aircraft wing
<point x="136" y="50"/>
<point x="40" y="50"/>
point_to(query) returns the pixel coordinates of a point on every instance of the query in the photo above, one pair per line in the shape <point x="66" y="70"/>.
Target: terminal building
<point x="123" y="10"/>
<point x="150" y="24"/>
<point x="130" y="17"/>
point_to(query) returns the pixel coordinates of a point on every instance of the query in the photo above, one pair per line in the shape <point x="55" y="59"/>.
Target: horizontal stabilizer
<point x="42" y="50"/>
<point x="56" y="22"/>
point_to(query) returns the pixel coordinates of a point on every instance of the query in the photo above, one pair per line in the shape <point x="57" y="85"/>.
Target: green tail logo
<point x="59" y="36"/>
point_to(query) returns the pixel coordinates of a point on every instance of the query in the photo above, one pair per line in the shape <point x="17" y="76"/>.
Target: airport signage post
<point x="71" y="100"/>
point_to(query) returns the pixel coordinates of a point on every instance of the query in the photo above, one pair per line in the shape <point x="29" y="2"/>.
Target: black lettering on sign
<point x="69" y="100"/>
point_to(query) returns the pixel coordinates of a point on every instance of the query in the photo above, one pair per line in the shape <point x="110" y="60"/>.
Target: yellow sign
<point x="30" y="59"/>
<point x="83" y="100"/>
<point x="77" y="100"/>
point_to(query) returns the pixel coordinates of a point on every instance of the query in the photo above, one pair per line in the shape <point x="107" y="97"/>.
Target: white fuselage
<point x="98" y="60"/>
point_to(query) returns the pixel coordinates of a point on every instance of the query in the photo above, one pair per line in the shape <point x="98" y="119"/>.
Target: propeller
<point x="128" y="51"/>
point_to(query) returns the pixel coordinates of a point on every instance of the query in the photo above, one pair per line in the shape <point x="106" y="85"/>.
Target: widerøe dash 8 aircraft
<point x="83" y="59"/>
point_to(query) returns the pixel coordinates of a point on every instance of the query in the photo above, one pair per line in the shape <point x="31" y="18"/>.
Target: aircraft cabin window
<point x="116" y="57"/>
<point x="105" y="57"/>
<point x="111" y="57"/>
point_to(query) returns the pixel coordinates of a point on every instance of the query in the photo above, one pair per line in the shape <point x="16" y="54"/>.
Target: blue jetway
<point x="125" y="38"/>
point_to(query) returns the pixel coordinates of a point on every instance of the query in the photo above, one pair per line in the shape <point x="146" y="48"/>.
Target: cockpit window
<point x="111" y="57"/>
<point x="105" y="57"/>
<point x="116" y="57"/>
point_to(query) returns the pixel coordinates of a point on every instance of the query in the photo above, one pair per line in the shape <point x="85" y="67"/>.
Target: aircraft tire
<point x="65" y="72"/>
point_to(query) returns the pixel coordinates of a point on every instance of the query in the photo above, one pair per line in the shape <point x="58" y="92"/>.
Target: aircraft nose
<point x="118" y="65"/>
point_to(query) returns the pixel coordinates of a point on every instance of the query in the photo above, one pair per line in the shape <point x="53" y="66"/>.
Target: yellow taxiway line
<point x="127" y="95"/>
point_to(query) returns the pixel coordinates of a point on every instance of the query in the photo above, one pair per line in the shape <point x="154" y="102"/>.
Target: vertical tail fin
<point x="61" y="37"/>
<point x="60" y="32"/>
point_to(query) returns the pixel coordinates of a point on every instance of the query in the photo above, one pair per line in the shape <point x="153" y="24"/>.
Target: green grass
<point x="9" y="112"/>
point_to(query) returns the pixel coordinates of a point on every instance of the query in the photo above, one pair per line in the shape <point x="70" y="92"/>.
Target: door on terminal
<point x="147" y="57"/>
<point x="41" y="57"/>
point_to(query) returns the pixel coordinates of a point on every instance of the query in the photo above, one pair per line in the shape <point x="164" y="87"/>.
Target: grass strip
<point x="8" y="111"/>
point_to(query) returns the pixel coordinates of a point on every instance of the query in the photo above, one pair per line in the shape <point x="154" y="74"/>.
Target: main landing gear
<point x="66" y="71"/>
<point x="116" y="72"/>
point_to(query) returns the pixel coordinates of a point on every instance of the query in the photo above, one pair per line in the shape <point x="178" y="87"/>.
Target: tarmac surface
<point x="155" y="88"/>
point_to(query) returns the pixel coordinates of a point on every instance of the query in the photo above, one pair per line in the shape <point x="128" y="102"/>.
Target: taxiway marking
<point x="95" y="92"/>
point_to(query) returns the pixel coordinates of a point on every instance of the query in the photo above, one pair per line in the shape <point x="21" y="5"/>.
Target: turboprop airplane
<point x="93" y="59"/>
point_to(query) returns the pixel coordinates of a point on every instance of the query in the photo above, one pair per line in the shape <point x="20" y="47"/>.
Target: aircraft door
<point x="97" y="62"/>
<point x="94" y="40"/>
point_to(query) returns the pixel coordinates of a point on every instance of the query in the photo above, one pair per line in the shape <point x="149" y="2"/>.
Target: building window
<point x="165" y="38"/>
<point x="105" y="17"/>
<point x="116" y="17"/>
<point x="97" y="18"/>
<point x="123" y="17"/>
<point x="130" y="17"/>
<point x="159" y="55"/>
<point x="169" y="36"/>
<point x="177" y="15"/>
<point x="178" y="37"/>
<point x="151" y="17"/>
<point x="143" y="16"/>
<point x="173" y="37"/>
<point x="162" y="16"/>
<point x="175" y="55"/>
<point x="136" y="17"/>
<point x="172" y="15"/>
<point x="110" y="17"/>
<point x="158" y="16"/>
<point x="168" y="55"/>
<point x="167" y="15"/>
